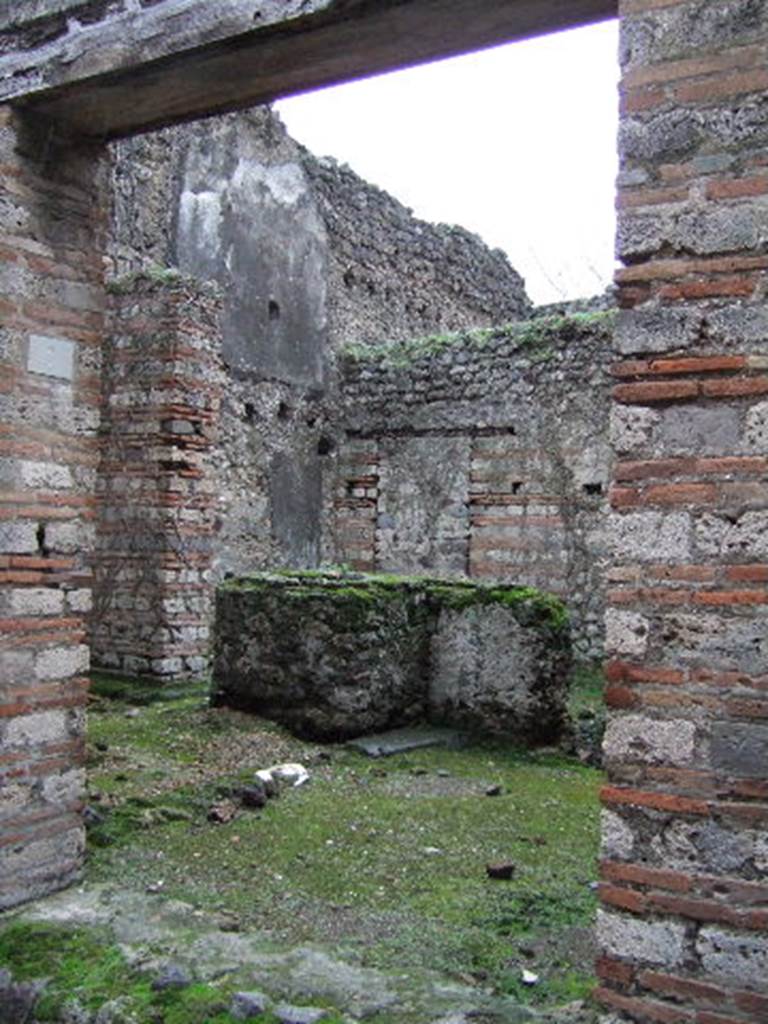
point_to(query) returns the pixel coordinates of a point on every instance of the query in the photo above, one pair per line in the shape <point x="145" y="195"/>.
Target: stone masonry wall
<point x="161" y="389"/>
<point x="392" y="277"/>
<point x="684" y="923"/>
<point x="227" y="200"/>
<point x="332" y="655"/>
<point x="482" y="455"/>
<point x="51" y="320"/>
<point x="308" y="256"/>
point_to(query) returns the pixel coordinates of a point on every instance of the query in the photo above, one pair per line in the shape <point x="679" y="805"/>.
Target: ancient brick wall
<point x="484" y="454"/>
<point x="683" y="929"/>
<point x="683" y="925"/>
<point x="161" y="391"/>
<point x="51" y="321"/>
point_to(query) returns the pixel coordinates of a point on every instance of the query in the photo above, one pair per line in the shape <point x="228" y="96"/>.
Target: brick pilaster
<point x="685" y="903"/>
<point x="51" y="318"/>
<point x="158" y="501"/>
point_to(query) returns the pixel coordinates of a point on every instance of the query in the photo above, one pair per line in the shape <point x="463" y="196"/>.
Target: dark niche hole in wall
<point x="249" y="412"/>
<point x="325" y="446"/>
<point x="516" y="486"/>
<point x="273" y="309"/>
<point x="284" y="411"/>
<point x="593" y="489"/>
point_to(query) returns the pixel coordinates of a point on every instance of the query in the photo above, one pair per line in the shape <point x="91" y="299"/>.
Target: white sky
<point x="516" y="143"/>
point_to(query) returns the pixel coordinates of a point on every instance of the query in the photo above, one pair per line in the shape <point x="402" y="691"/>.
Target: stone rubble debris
<point x="503" y="870"/>
<point x="222" y="812"/>
<point x="171" y="976"/>
<point x="294" y="773"/>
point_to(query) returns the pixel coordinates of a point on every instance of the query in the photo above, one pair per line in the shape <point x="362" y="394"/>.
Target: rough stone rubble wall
<point x="685" y="834"/>
<point x="51" y="312"/>
<point x="392" y="277"/>
<point x="487" y="458"/>
<point x="388" y="276"/>
<point x="161" y="390"/>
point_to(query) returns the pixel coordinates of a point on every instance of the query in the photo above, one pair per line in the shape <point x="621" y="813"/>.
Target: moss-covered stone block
<point x="326" y="657"/>
<point x="335" y="655"/>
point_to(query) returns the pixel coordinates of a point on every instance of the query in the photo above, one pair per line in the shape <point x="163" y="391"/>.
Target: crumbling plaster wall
<point x="227" y="199"/>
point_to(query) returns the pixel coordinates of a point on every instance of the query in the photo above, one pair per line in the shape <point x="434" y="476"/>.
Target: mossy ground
<point x="383" y="861"/>
<point x="83" y="965"/>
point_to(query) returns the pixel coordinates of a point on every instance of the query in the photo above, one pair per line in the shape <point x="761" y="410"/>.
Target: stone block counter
<point x="335" y="655"/>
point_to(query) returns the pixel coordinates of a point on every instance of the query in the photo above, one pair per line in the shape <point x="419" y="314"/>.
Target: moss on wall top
<point x="154" y="277"/>
<point x="526" y="336"/>
<point x="531" y="606"/>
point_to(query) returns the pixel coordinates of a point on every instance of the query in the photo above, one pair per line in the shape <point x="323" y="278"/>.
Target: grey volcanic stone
<point x="334" y="657"/>
<point x="246" y="1005"/>
<point x="172" y="976"/>
<point x="329" y="662"/>
<point x="493" y="673"/>
<point x="288" y="1014"/>
<point x="18" y="999"/>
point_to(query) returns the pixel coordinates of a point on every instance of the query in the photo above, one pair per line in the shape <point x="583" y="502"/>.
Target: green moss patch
<point x="82" y="965"/>
<point x="138" y="690"/>
<point x="538" y="339"/>
<point x="535" y="607"/>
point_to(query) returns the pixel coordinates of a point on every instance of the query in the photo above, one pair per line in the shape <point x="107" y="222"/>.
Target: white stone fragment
<point x="290" y="772"/>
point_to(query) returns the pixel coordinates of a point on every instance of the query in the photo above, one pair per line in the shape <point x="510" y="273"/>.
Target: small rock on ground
<point x="222" y="812"/>
<point x="172" y="976"/>
<point x="17" y="1000"/>
<point x="246" y="1005"/>
<point x="503" y="870"/>
<point x="288" y="1014"/>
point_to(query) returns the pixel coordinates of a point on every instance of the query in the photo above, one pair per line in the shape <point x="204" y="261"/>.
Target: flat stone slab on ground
<point x="400" y="741"/>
